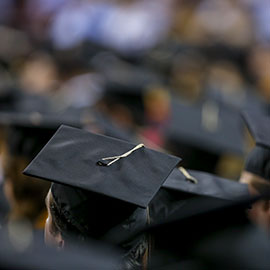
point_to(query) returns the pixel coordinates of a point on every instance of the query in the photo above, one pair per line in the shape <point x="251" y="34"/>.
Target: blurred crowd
<point x="172" y="74"/>
<point x="74" y="51"/>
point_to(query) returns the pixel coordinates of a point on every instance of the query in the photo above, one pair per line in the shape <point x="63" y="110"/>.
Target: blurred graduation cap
<point x="32" y="110"/>
<point x="31" y="120"/>
<point x="91" y="169"/>
<point x="141" y="171"/>
<point x="98" y="122"/>
<point x="175" y="237"/>
<point x="94" y="255"/>
<point x="205" y="184"/>
<point x="203" y="132"/>
<point x="258" y="160"/>
<point x="124" y="83"/>
<point x="183" y="186"/>
<point x="120" y="72"/>
<point x="13" y="99"/>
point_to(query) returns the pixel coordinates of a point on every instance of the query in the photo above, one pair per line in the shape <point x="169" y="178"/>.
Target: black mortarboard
<point x="176" y="236"/>
<point x="29" y="130"/>
<point x="205" y="184"/>
<point x="258" y="160"/>
<point x="78" y="154"/>
<point x="30" y="120"/>
<point x="183" y="186"/>
<point x="124" y="83"/>
<point x="104" y="170"/>
<point x="16" y="100"/>
<point x="27" y="133"/>
<point x="205" y="130"/>
<point x="29" y="110"/>
<point x="208" y="126"/>
<point x="100" y="123"/>
<point x="121" y="74"/>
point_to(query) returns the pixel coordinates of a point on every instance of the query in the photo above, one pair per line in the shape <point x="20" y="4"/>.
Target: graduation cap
<point x="123" y="73"/>
<point x="118" y="175"/>
<point x="98" y="122"/>
<point x="31" y="121"/>
<point x="30" y="110"/>
<point x="124" y="83"/>
<point x="176" y="236"/>
<point x="16" y="100"/>
<point x="204" y="130"/>
<point x="205" y="125"/>
<point x="204" y="184"/>
<point x="183" y="186"/>
<point x="258" y="160"/>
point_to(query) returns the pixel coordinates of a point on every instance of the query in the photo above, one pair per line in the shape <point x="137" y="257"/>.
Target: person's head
<point x="63" y="229"/>
<point x="78" y="215"/>
<point x="101" y="187"/>
<point x="257" y="175"/>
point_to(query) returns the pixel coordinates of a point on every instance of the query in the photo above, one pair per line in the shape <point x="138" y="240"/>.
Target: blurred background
<point x="172" y="74"/>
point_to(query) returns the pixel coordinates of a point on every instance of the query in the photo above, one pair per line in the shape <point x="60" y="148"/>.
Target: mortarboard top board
<point x="207" y="126"/>
<point x="259" y="126"/>
<point x="16" y="100"/>
<point x="125" y="84"/>
<point x="122" y="72"/>
<point x="123" y="79"/>
<point x="31" y="121"/>
<point x="30" y="110"/>
<point x="75" y="157"/>
<point x="33" y="111"/>
<point x="204" y="184"/>
<point x="39" y="120"/>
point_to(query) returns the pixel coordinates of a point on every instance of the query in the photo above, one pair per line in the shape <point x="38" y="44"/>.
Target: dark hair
<point x="60" y="224"/>
<point x="132" y="260"/>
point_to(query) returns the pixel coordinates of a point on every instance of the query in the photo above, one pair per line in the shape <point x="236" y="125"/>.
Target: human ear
<point x="60" y="242"/>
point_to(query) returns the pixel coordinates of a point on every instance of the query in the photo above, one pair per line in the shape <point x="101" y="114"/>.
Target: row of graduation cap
<point x="31" y="118"/>
<point x="132" y="182"/>
<point x="209" y="127"/>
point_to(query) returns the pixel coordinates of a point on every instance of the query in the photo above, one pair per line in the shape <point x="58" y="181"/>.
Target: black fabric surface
<point x="71" y="157"/>
<point x="207" y="185"/>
